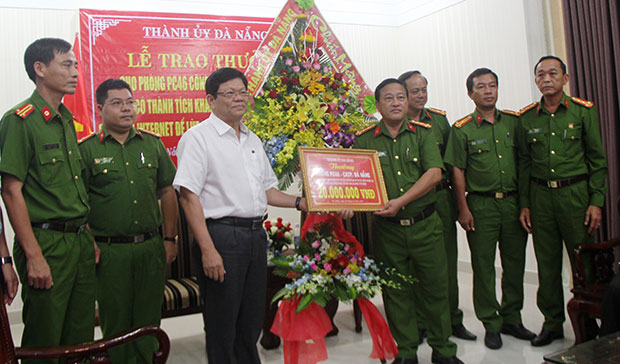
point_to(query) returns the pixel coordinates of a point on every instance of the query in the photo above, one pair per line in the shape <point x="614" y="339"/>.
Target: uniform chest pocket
<point x="54" y="167"/>
<point x="105" y="175"/>
<point x="147" y="168"/>
<point x="384" y="160"/>
<point x="535" y="136"/>
<point x="509" y="141"/>
<point x="478" y="147"/>
<point x="573" y="133"/>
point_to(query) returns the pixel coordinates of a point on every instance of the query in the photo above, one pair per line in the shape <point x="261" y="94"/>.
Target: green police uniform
<point x="122" y="182"/>
<point x="487" y="153"/>
<point x="562" y="170"/>
<point x="446" y="208"/>
<point x="40" y="149"/>
<point x="415" y="249"/>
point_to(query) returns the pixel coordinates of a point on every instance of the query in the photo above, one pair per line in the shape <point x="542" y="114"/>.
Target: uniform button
<point x="552" y="115"/>
<point x="572" y="137"/>
<point x="552" y="170"/>
<point x="402" y="189"/>
<point x="136" y="222"/>
<point x="126" y="163"/>
<point x="398" y="173"/>
<point x="75" y="177"/>
<point x="503" y="172"/>
<point x="69" y="152"/>
<point x="53" y="160"/>
<point x="500" y="156"/>
<point x="496" y="140"/>
<point x="396" y="157"/>
<point x="553" y="133"/>
<point x="131" y="181"/>
<point x="149" y="165"/>
<point x="479" y="150"/>
<point x="415" y="159"/>
<point x="553" y="152"/>
<point x="135" y="202"/>
<point x="402" y="208"/>
<point x="105" y="171"/>
<point x="533" y="139"/>
<point x="394" y="140"/>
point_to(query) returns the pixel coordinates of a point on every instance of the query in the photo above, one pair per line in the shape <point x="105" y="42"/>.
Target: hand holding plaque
<point x="340" y="179"/>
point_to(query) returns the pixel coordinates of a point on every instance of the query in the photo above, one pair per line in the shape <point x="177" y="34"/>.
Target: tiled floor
<point x="187" y="337"/>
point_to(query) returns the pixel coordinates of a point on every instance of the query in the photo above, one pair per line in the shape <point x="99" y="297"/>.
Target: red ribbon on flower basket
<point x="383" y="345"/>
<point x="303" y="333"/>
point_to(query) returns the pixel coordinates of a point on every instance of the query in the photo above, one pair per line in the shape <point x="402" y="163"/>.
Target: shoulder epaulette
<point x="582" y="102"/>
<point x="360" y="132"/>
<point x="510" y="112"/>
<point x="527" y="108"/>
<point x="437" y="111"/>
<point x="24" y="111"/>
<point x="149" y="132"/>
<point x="463" y="121"/>
<point x="86" y="137"/>
<point x="426" y="125"/>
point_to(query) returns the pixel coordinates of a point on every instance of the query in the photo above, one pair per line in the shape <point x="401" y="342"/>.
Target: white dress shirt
<point x="230" y="175"/>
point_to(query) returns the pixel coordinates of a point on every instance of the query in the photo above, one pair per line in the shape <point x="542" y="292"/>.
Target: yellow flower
<point x="307" y="38"/>
<point x="332" y="253"/>
<point x="316" y="88"/>
<point x="353" y="267"/>
<point x="287" y="50"/>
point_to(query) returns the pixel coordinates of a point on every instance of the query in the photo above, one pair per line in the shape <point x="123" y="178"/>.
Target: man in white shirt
<point x="225" y="180"/>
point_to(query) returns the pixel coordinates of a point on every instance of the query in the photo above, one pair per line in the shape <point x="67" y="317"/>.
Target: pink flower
<point x="325" y="69"/>
<point x="317" y="66"/>
<point x="346" y="247"/>
<point x="306" y="259"/>
<point x="314" y="266"/>
<point x="353" y="260"/>
<point x="346" y="270"/>
<point x="327" y="267"/>
<point x="317" y="257"/>
<point x="296" y="68"/>
<point x="302" y="128"/>
<point x="289" y="62"/>
<point x="306" y="64"/>
<point x="316" y="244"/>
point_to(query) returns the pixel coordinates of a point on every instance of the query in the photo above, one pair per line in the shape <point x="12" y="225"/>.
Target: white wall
<point x="504" y="35"/>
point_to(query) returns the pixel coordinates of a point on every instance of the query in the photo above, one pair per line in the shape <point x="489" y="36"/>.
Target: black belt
<point x="253" y="223"/>
<point x="126" y="239"/>
<point x="497" y="195"/>
<point x="444" y="184"/>
<point x="408" y="221"/>
<point x="63" y="228"/>
<point x="559" y="183"/>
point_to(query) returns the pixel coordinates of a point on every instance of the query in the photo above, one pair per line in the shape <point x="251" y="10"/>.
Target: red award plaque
<point x="336" y="179"/>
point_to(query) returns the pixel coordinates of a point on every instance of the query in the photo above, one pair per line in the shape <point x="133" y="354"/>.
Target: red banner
<point x="165" y="58"/>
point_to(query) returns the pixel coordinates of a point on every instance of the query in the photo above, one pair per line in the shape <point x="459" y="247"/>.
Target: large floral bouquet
<point x="325" y="266"/>
<point x="304" y="102"/>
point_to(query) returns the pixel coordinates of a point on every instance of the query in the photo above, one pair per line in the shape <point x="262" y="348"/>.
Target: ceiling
<point x="369" y="12"/>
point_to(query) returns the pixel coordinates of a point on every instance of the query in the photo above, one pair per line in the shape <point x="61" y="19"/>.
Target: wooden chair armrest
<point x="579" y="273"/>
<point x="97" y="350"/>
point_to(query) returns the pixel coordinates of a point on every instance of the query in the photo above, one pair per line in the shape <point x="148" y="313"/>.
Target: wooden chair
<point x="588" y="292"/>
<point x="96" y="351"/>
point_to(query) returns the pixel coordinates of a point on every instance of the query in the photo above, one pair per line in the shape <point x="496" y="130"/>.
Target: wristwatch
<point x="6" y="260"/>
<point x="172" y="239"/>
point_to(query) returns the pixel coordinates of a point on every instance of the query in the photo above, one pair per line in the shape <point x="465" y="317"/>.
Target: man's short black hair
<point x="110" y="84"/>
<point x="387" y="82"/>
<point x="479" y="72"/>
<point x="407" y="75"/>
<point x="212" y="85"/>
<point x="43" y="50"/>
<point x="562" y="65"/>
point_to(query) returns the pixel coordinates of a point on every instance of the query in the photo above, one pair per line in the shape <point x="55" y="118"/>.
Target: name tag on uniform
<point x="535" y="131"/>
<point x="51" y="146"/>
<point x="479" y="141"/>
<point x="104" y="160"/>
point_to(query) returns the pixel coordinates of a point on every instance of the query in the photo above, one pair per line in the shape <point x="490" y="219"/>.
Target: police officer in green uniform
<point x="126" y="171"/>
<point x="562" y="170"/>
<point x="47" y="204"/>
<point x="417" y="87"/>
<point x="483" y="154"/>
<point x="407" y="230"/>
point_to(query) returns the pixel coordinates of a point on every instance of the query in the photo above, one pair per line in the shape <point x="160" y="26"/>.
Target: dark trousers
<point x="234" y="309"/>
<point x="610" y="314"/>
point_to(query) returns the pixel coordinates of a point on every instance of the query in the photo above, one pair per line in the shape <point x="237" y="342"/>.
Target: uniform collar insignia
<point x="47" y="113"/>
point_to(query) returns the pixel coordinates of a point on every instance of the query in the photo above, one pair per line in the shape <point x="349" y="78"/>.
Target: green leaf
<point x="370" y="105"/>
<point x="305" y="301"/>
<point x="278" y="295"/>
<point x="305" y="4"/>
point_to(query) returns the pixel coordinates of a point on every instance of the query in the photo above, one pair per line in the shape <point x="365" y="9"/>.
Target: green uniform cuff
<point x="597" y="200"/>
